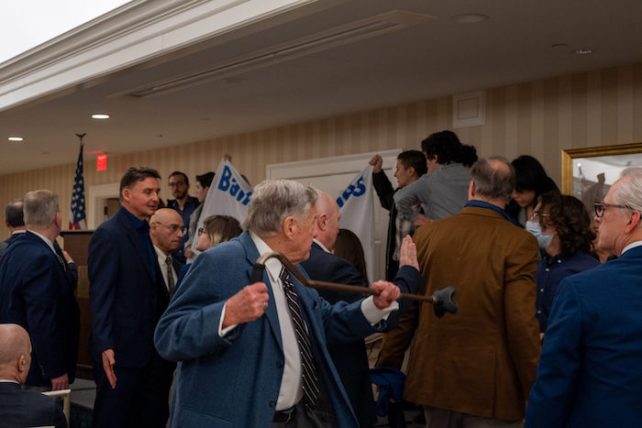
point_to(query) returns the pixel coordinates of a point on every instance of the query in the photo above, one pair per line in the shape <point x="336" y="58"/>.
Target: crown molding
<point x="136" y="32"/>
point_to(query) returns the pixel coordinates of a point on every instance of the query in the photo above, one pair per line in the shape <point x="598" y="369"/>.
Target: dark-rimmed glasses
<point x="600" y="208"/>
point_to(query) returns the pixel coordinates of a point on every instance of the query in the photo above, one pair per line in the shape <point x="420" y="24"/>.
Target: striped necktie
<point x="310" y="381"/>
<point x="170" y="275"/>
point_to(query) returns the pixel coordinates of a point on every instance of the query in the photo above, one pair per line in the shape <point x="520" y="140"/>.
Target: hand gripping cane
<point x="442" y="300"/>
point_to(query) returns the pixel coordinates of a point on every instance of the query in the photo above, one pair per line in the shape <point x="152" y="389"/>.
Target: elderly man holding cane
<point x="254" y="354"/>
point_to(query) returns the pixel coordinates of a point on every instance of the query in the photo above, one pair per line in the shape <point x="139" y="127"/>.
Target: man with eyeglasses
<point x="166" y="230"/>
<point x="183" y="203"/>
<point x="589" y="372"/>
<point x="127" y="297"/>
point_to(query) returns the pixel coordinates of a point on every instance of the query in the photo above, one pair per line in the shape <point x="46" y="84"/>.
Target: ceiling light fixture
<point x="15" y="139"/>
<point x="100" y="116"/>
<point x="584" y="51"/>
<point x="470" y="18"/>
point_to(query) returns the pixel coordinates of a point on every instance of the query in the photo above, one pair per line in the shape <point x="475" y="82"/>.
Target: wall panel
<point x="538" y="118"/>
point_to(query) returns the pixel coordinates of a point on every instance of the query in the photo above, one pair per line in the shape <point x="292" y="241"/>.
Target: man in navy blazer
<point x="351" y="358"/>
<point x="127" y="296"/>
<point x="589" y="372"/>
<point x="22" y="407"/>
<point x="244" y="347"/>
<point x="37" y="293"/>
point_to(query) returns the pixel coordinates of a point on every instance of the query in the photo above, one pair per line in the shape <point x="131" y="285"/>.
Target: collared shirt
<point x="550" y="272"/>
<point x="290" y="392"/>
<point x="47" y="241"/>
<point x="632" y="245"/>
<point x="323" y="247"/>
<point x="162" y="257"/>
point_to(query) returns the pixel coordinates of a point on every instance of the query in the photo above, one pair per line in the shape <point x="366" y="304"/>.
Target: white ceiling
<point x="431" y="58"/>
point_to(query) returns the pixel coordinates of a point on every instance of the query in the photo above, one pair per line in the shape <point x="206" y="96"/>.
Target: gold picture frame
<point x="582" y="168"/>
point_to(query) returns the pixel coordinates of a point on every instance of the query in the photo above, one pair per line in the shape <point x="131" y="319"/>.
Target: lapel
<point x="252" y="254"/>
<point x="132" y="236"/>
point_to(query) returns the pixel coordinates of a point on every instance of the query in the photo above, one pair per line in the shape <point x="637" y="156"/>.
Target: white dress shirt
<point x="290" y="392"/>
<point x="632" y="245"/>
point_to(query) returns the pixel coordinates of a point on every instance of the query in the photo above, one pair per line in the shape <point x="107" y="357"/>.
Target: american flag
<point x="77" y="221"/>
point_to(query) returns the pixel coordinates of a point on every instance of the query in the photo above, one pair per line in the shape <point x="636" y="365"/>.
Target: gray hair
<point x="629" y="192"/>
<point x="40" y="208"/>
<point x="273" y="201"/>
<point x="493" y="177"/>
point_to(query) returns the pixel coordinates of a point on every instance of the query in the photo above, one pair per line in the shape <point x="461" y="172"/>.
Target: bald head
<point x="166" y="229"/>
<point x="15" y="352"/>
<point x="328" y="217"/>
<point x="492" y="180"/>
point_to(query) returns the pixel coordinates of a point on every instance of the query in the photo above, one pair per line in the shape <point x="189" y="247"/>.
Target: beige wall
<point x="538" y="118"/>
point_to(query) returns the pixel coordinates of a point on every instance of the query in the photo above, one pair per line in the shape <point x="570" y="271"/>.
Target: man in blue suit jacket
<point x="127" y="296"/>
<point x="241" y="363"/>
<point x="351" y="358"/>
<point x="37" y="293"/>
<point x="590" y="373"/>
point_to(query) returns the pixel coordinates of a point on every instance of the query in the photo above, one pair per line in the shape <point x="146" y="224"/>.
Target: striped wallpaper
<point x="538" y="118"/>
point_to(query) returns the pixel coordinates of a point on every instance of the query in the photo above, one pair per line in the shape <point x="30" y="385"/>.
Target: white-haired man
<point x="589" y="372"/>
<point x="37" y="292"/>
<point x="255" y="354"/>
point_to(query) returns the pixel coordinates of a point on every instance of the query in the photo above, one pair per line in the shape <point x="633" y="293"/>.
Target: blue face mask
<point x="543" y="240"/>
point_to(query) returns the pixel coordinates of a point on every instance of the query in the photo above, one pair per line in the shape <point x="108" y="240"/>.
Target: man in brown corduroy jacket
<point x="477" y="366"/>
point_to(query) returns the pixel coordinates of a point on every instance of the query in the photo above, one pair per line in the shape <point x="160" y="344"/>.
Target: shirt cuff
<point x="222" y="332"/>
<point x="373" y="314"/>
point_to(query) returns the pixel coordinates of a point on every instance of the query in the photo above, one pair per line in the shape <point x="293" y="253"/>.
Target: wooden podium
<point x="76" y="243"/>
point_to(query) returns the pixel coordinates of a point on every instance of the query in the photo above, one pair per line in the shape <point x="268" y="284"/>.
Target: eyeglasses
<point x="173" y="227"/>
<point x="600" y="208"/>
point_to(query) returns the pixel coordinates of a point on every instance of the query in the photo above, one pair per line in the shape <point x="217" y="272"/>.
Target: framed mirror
<point x="588" y="173"/>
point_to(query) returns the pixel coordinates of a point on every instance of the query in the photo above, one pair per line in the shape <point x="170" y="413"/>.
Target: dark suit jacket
<point x="4" y="245"/>
<point x="589" y="371"/>
<point x="37" y="292"/>
<point x="126" y="297"/>
<point x="385" y="192"/>
<point x="351" y="358"/>
<point x="20" y="408"/>
<point x="234" y="381"/>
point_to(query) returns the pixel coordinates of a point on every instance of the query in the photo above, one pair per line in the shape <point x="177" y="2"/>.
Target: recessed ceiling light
<point x="559" y="45"/>
<point x="469" y="18"/>
<point x="100" y="116"/>
<point x="584" y="51"/>
<point x="15" y="139"/>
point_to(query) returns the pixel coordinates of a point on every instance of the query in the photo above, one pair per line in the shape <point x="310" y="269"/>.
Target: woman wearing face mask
<point x="531" y="181"/>
<point x="565" y="240"/>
